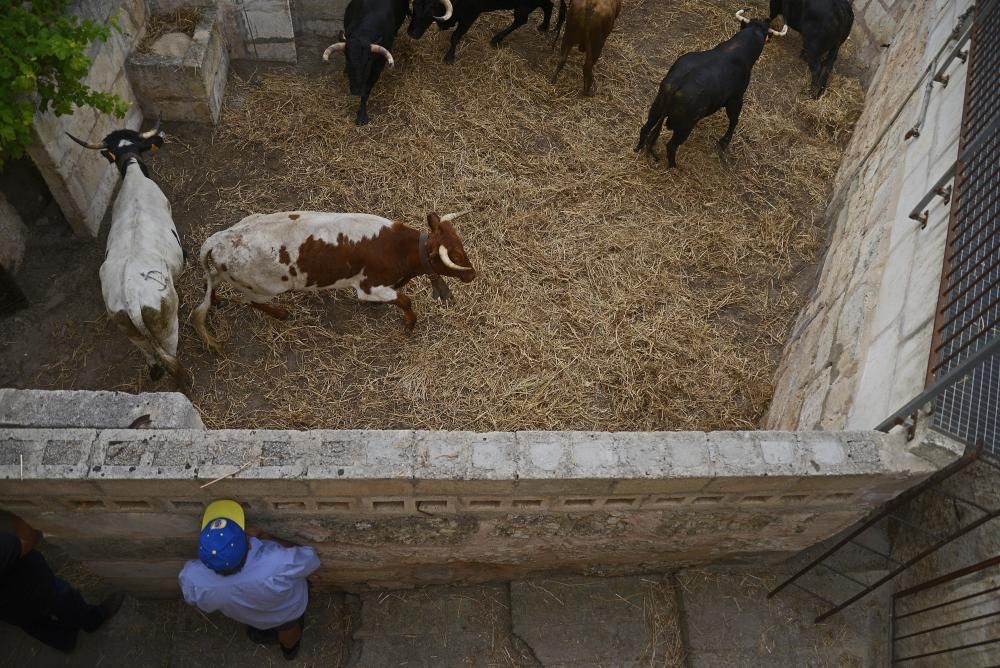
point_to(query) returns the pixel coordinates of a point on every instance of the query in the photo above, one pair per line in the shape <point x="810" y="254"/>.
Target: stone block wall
<point x="390" y="509"/>
<point x="188" y="88"/>
<point x="859" y="349"/>
<point x="82" y="181"/>
<point x="320" y="17"/>
<point x="253" y="29"/>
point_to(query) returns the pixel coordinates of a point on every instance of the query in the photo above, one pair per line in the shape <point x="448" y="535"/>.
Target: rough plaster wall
<point x="859" y="348"/>
<point x="81" y="180"/>
<point x="390" y="509"/>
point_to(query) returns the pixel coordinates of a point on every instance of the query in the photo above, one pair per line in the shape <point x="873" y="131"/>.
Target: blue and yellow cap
<point x="222" y="543"/>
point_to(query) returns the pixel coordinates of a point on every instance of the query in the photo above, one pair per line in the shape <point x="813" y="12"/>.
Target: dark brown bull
<point x="588" y="24"/>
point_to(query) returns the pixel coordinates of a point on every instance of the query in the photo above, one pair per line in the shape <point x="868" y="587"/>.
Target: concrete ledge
<point x="95" y="410"/>
<point x="404" y="508"/>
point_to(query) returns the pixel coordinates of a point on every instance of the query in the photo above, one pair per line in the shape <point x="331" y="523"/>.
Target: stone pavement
<point x="574" y="622"/>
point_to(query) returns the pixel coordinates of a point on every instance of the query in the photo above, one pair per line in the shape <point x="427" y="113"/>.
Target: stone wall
<point x="389" y="509"/>
<point x="320" y="17"/>
<point x="188" y="87"/>
<point x="859" y="349"/>
<point x="253" y="29"/>
<point x="81" y="181"/>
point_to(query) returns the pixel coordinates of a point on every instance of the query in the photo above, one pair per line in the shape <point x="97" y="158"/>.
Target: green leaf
<point x="43" y="54"/>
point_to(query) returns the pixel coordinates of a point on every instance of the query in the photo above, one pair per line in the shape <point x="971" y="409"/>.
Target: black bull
<point x="700" y="83"/>
<point x="824" y="25"/>
<point x="463" y="13"/>
<point x="370" y="29"/>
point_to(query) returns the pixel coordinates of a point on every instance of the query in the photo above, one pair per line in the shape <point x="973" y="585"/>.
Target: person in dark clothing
<point x="33" y="598"/>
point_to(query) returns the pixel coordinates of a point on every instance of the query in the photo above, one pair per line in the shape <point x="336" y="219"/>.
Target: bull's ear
<point x="433" y="221"/>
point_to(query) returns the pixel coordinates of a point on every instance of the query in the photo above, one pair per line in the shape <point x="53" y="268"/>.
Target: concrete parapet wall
<point x="96" y="410"/>
<point x="389" y="509"/>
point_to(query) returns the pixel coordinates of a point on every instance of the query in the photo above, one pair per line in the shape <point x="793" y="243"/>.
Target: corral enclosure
<point x="612" y="294"/>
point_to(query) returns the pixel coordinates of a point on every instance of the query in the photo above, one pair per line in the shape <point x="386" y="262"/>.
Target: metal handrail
<point x="941" y="385"/>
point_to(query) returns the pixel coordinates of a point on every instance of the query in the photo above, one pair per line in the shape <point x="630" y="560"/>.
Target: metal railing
<point x="933" y="634"/>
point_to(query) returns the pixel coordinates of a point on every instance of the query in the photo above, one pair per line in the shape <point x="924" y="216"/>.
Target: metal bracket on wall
<point x="939" y="189"/>
<point x="960" y="35"/>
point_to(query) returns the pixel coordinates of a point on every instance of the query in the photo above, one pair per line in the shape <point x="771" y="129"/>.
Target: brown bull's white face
<point x="447" y="254"/>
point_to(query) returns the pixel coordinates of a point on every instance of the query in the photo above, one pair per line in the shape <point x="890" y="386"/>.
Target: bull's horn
<point x="740" y="16"/>
<point x="339" y="46"/>
<point x="784" y="31"/>
<point x="448" y="217"/>
<point x="86" y="144"/>
<point x="443" y="252"/>
<point x="382" y="51"/>
<point x="447" y="11"/>
<point x="149" y="134"/>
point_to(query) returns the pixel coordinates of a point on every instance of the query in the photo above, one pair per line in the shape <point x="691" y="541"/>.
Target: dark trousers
<point x="67" y="614"/>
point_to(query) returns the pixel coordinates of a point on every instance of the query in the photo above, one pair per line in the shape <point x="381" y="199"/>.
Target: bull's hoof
<point x="449" y="58"/>
<point x="156" y="372"/>
<point x="361" y="120"/>
<point x="495" y="43"/>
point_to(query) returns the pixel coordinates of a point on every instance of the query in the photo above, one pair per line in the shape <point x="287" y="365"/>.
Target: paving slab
<point x="728" y="621"/>
<point x="439" y="627"/>
<point x="583" y="622"/>
<point x="168" y="633"/>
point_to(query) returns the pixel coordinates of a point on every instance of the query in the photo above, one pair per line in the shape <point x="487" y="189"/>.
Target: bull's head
<point x="426" y="12"/>
<point x="763" y="25"/>
<point x="121" y="145"/>
<point x="445" y="249"/>
<point x="360" y="55"/>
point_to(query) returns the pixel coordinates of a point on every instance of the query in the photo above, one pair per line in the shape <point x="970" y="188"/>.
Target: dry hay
<point x="184" y="20"/>
<point x="612" y="294"/>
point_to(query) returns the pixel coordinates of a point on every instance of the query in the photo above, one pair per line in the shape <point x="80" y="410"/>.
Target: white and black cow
<point x="143" y="256"/>
<point x="265" y="255"/>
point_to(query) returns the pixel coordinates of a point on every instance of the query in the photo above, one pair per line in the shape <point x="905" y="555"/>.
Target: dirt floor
<point x="613" y="294"/>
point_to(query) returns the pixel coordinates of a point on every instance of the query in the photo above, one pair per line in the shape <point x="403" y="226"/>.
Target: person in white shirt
<point x="250" y="576"/>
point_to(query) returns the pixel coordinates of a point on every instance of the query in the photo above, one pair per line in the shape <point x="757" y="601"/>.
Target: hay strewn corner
<point x="613" y="295"/>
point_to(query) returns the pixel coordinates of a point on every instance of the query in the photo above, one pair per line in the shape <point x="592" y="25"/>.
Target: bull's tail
<point x="659" y="113"/>
<point x="560" y="19"/>
<point x="200" y="314"/>
<point x="169" y="362"/>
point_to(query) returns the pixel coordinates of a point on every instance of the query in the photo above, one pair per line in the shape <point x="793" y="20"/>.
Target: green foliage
<point x="42" y="60"/>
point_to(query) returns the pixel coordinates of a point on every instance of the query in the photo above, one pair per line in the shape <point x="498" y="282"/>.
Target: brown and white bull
<point x="265" y="255"/>
<point x="143" y="256"/>
<point x="588" y="24"/>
